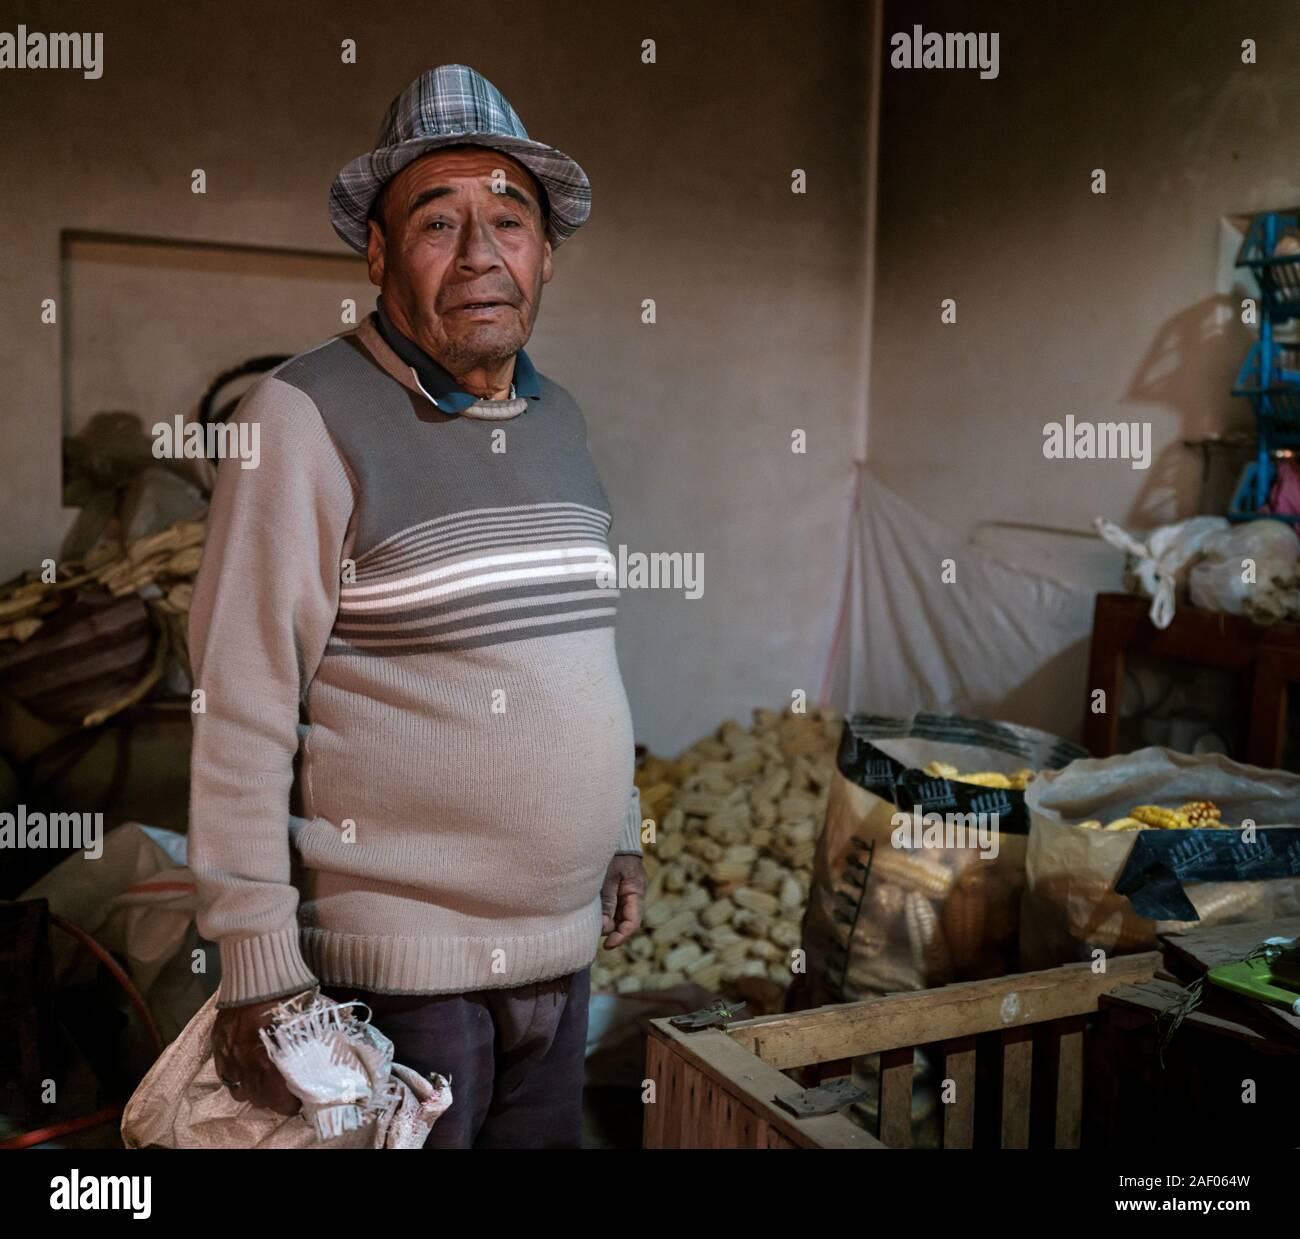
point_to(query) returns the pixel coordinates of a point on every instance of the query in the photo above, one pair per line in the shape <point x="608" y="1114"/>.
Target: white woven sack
<point x="182" y="1104"/>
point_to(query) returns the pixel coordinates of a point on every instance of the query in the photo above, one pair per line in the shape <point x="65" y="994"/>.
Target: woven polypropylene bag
<point x="86" y="656"/>
<point x="182" y="1104"/>
<point x="1071" y="907"/>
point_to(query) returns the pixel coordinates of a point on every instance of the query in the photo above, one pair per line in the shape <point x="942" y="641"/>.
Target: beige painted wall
<point x="758" y="290"/>
<point x="121" y="352"/>
<point x="1109" y="307"/>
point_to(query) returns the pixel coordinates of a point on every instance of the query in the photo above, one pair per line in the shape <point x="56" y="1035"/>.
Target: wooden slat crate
<point x="717" y="1089"/>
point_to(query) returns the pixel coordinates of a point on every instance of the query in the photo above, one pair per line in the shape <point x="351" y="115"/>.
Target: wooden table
<point x="1268" y="660"/>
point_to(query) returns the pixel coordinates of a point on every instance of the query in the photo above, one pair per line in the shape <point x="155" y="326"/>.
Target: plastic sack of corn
<point x="339" y="1065"/>
<point x="1117" y="883"/>
<point x="919" y="868"/>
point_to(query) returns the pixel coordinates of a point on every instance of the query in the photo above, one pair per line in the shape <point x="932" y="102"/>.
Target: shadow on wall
<point x="1193" y="351"/>
<point x="1062" y="678"/>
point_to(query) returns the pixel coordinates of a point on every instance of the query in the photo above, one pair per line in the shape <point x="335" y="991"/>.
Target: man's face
<point x="463" y="255"/>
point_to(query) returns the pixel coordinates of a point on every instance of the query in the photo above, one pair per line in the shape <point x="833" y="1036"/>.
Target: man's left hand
<point x="620" y="899"/>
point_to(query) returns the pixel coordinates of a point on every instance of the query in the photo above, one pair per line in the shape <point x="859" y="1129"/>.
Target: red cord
<point x="118" y="974"/>
<point x="29" y="1138"/>
<point x="42" y="1134"/>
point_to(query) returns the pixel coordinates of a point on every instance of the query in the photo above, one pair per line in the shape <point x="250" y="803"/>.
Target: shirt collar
<point x="436" y="382"/>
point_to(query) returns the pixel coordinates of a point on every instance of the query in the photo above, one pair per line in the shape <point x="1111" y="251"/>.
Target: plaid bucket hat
<point x="453" y="105"/>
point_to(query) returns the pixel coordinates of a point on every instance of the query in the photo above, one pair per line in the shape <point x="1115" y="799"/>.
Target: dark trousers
<point x="514" y="1056"/>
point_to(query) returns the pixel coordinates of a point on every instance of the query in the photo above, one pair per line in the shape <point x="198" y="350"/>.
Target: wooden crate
<point x="715" y="1088"/>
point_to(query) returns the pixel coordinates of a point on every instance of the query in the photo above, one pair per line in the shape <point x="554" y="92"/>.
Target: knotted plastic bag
<point x="339" y="1065"/>
<point x="1159" y="567"/>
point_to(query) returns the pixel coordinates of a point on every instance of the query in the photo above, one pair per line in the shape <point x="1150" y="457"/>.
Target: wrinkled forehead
<point x="453" y="164"/>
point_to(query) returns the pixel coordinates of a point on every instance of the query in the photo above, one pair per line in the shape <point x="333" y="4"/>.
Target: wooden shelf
<point x="1267" y="658"/>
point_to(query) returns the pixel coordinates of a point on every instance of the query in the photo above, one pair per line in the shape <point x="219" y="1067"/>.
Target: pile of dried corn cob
<point x="737" y="817"/>
<point x="1191" y="816"/>
<point x="981" y="778"/>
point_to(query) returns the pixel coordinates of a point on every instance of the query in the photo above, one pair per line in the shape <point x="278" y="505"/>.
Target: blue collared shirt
<point x="436" y="382"/>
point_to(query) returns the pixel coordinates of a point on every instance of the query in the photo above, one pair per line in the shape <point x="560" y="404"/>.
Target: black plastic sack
<point x="1162" y="860"/>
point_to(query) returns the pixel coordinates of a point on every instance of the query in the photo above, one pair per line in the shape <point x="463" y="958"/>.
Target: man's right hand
<point x="242" y="1061"/>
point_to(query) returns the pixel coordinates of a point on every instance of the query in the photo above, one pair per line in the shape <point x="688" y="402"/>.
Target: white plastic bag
<point x="1216" y="579"/>
<point x="1162" y="563"/>
<point x="182" y="1104"/>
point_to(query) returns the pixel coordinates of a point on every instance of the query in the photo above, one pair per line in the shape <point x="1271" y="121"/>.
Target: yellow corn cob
<point x="1125" y="823"/>
<point x="1216" y="903"/>
<point x="1093" y="824"/>
<point x="980" y="778"/>
<point x="1230" y="899"/>
<point x="1201" y="812"/>
<point x="886" y="901"/>
<point x="1160" y="817"/>
<point x="930" y="953"/>
<point x="869" y="940"/>
<point x="941" y="770"/>
<point x="912" y="871"/>
<point x="985" y="778"/>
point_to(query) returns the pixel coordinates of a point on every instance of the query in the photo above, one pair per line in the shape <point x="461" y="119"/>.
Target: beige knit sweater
<point x="414" y="759"/>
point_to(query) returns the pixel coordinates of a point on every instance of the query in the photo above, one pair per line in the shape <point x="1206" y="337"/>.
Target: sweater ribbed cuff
<point x="631" y="840"/>
<point x="257" y="969"/>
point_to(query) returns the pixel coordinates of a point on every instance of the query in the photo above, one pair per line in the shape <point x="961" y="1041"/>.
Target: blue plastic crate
<point x="1278" y="275"/>
<point x="1252" y="494"/>
<point x="1270" y="379"/>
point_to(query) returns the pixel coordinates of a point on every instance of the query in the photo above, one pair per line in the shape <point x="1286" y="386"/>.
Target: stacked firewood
<point x="736" y="817"/>
<point x="160" y="567"/>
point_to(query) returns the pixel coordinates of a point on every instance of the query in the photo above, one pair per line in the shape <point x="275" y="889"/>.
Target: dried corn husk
<point x="738" y="814"/>
<point x="160" y="567"/>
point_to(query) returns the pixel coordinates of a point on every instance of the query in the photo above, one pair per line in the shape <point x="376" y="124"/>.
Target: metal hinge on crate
<point x="715" y="1015"/>
<point x="824" y="1099"/>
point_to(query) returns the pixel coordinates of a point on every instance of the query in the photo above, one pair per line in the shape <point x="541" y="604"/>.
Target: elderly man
<point x="412" y="777"/>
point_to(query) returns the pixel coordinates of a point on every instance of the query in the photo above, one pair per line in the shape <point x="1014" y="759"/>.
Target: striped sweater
<point x="413" y="759"/>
